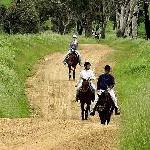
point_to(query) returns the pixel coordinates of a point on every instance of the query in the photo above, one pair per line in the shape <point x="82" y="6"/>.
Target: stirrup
<point x="117" y="112"/>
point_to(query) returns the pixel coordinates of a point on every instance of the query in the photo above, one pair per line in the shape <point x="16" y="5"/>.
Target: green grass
<point x="18" y="54"/>
<point x="5" y="2"/>
<point x="132" y="73"/>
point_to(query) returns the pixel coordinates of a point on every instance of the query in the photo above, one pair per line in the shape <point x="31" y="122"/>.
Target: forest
<point x="84" y="16"/>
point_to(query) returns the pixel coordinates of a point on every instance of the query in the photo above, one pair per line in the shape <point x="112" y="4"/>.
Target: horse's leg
<point x="109" y="116"/>
<point x="105" y="116"/>
<point x="86" y="113"/>
<point x="74" y="74"/>
<point x="69" y="72"/>
<point x="102" y="117"/>
<point x="82" y="110"/>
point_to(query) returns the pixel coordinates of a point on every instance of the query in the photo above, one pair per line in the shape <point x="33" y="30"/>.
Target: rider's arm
<point x="80" y="78"/>
<point x="111" y="86"/>
<point x="92" y="77"/>
<point x="76" y="45"/>
<point x="112" y="82"/>
<point x="98" y="83"/>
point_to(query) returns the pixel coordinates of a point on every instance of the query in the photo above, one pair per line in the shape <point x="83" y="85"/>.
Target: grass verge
<point x="18" y="54"/>
<point x="132" y="73"/>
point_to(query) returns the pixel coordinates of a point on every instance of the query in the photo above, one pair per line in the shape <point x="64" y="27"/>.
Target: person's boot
<point x="92" y="113"/>
<point x="79" y="60"/>
<point x="64" y="62"/>
<point x="80" y="63"/>
<point x="117" y="112"/>
<point x="77" y="96"/>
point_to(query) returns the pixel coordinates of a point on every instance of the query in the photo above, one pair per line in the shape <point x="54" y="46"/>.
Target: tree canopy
<point x="29" y="16"/>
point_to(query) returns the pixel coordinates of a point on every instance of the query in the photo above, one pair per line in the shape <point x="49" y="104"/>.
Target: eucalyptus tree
<point x="2" y="16"/>
<point x="147" y="21"/>
<point x="127" y="17"/>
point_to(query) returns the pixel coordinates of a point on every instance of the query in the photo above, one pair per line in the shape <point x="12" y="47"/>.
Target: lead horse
<point x="105" y="107"/>
<point x="72" y="61"/>
<point x="85" y="95"/>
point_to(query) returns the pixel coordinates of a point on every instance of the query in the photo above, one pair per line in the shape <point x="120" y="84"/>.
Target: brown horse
<point x="86" y="95"/>
<point x="72" y="61"/>
<point x="105" y="107"/>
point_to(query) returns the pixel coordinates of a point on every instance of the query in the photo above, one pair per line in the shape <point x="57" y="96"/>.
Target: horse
<point x="72" y="61"/>
<point x="85" y="95"/>
<point x="105" y="107"/>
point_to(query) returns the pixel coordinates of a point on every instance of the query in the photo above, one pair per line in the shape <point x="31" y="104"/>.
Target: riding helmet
<point x="74" y="36"/>
<point x="87" y="63"/>
<point x="107" y="67"/>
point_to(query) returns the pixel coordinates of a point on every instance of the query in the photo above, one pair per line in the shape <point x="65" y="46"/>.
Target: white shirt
<point x="86" y="74"/>
<point x="73" y="45"/>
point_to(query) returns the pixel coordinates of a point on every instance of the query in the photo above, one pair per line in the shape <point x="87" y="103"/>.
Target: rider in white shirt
<point x="87" y="74"/>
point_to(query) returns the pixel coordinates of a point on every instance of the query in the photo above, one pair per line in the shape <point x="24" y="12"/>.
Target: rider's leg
<point x="77" y="90"/>
<point x="64" y="61"/>
<point x="93" y="88"/>
<point x="114" y="98"/>
<point x="79" y="55"/>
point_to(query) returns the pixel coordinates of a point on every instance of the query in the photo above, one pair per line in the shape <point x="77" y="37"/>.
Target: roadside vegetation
<point x="132" y="71"/>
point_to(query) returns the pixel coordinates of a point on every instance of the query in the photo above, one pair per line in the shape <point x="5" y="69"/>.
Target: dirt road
<point x="56" y="122"/>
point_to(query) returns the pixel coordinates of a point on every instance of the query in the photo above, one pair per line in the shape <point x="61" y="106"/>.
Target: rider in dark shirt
<point x="106" y="82"/>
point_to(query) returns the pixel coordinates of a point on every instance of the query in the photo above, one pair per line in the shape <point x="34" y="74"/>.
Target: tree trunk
<point x="88" y="27"/>
<point x="135" y="23"/>
<point x="147" y="22"/>
<point x="103" y="31"/>
<point x="117" y="18"/>
<point x="104" y="21"/>
<point x="79" y="27"/>
<point x="127" y="19"/>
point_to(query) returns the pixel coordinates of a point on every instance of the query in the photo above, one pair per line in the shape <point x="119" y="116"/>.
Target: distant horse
<point x="72" y="61"/>
<point x="105" y="107"/>
<point x="86" y="95"/>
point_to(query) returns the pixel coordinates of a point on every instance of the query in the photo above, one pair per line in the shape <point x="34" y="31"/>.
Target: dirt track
<point x="56" y="123"/>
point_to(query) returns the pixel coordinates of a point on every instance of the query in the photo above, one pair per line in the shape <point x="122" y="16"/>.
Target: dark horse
<point x="105" y="107"/>
<point x="72" y="61"/>
<point x="86" y="95"/>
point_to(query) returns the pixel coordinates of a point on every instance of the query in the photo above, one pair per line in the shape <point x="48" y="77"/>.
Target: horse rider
<point x="73" y="47"/>
<point x="106" y="82"/>
<point x="86" y="74"/>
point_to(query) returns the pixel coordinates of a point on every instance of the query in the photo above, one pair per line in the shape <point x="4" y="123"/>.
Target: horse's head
<point x="85" y="85"/>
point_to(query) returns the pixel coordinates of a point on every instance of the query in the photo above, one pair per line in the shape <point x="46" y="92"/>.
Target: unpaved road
<point x="56" y="123"/>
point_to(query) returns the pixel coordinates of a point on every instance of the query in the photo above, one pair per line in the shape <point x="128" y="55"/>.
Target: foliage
<point x="22" y="18"/>
<point x="5" y="2"/>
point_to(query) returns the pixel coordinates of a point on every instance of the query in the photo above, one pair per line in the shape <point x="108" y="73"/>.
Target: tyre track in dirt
<point x="56" y="121"/>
